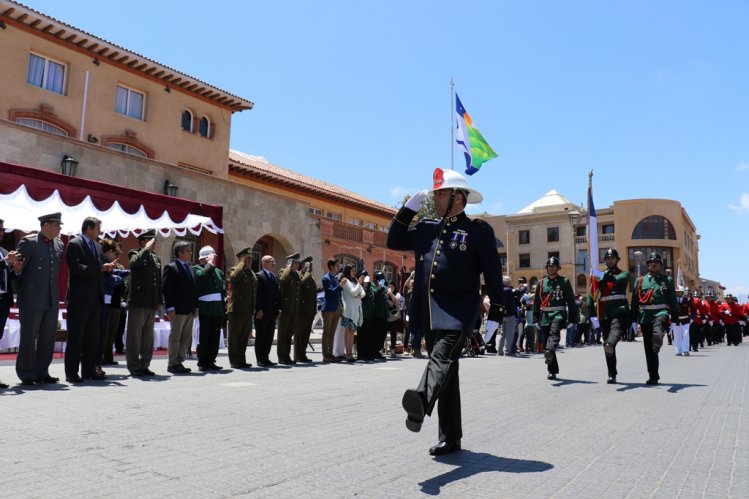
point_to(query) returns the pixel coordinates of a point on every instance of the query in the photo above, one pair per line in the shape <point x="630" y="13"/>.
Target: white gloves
<point x="417" y="200"/>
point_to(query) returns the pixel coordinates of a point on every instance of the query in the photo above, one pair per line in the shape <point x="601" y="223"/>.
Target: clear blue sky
<point x="651" y="95"/>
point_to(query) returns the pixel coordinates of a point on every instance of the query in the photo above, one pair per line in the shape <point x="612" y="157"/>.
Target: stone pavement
<point x="338" y="431"/>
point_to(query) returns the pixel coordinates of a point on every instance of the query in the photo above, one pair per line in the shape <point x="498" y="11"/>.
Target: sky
<point x="650" y="95"/>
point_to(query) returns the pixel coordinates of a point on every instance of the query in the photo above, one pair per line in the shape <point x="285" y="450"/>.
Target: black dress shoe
<point x="442" y="448"/>
<point x="185" y="369"/>
<point x="204" y="368"/>
<point x="110" y="363"/>
<point x="243" y="365"/>
<point x="96" y="376"/>
<point x="286" y="362"/>
<point x="47" y="380"/>
<point x="74" y="379"/>
<point x="551" y="376"/>
<point x="214" y="367"/>
<point x="4" y="385"/>
<point x="177" y="369"/>
<point x="611" y="380"/>
<point x="148" y="372"/>
<point x="27" y="382"/>
<point x="414" y="407"/>
<point x="266" y="363"/>
<point x="651" y="381"/>
<point x="305" y="360"/>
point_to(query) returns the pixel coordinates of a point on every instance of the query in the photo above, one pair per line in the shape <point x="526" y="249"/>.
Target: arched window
<point x="205" y="127"/>
<point x="187" y="120"/>
<point x="347" y="260"/>
<point x="42" y="125"/>
<point x="654" y="227"/>
<point x="117" y="146"/>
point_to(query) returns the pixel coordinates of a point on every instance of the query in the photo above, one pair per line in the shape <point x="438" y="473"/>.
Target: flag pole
<point x="452" y="127"/>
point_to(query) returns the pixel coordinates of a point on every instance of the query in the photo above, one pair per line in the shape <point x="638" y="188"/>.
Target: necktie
<point x="92" y="247"/>
<point x="187" y="269"/>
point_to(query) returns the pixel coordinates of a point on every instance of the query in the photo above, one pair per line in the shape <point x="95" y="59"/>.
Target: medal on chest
<point x="459" y="239"/>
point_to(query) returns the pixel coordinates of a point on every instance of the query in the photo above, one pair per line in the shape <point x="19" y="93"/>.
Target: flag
<point x="679" y="277"/>
<point x="470" y="141"/>
<point x="593" y="240"/>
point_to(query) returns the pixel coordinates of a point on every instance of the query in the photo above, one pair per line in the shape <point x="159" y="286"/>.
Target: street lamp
<point x="68" y="164"/>
<point x="638" y="258"/>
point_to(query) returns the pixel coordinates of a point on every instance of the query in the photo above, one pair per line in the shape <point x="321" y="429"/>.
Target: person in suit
<point x="181" y="302"/>
<point x="240" y="306"/>
<point x="6" y="291"/>
<point x="85" y="298"/>
<point x="267" y="306"/>
<point x="211" y="298"/>
<point x="37" y="269"/>
<point x="144" y="299"/>
<point x="451" y="254"/>
<point x="290" y="283"/>
<point x="332" y="308"/>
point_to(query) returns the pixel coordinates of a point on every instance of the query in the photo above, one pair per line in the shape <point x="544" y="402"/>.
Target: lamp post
<point x="69" y="165"/>
<point x="638" y="257"/>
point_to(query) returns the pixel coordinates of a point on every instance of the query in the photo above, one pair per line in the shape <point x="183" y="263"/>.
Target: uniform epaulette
<point x="30" y="236"/>
<point x="132" y="252"/>
<point x="479" y="221"/>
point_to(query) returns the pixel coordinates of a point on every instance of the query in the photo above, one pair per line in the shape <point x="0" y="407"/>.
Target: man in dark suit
<point x="37" y="270"/>
<point x="267" y="306"/>
<point x="6" y="291"/>
<point x="85" y="299"/>
<point x="181" y="302"/>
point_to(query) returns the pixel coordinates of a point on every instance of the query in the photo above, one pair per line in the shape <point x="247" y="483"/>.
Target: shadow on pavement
<point x="562" y="382"/>
<point x="672" y="387"/>
<point x="472" y="463"/>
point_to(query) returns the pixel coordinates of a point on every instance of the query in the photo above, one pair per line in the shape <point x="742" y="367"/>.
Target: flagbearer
<point x="613" y="309"/>
<point x="653" y="301"/>
<point x="555" y="306"/>
<point x="451" y="254"/>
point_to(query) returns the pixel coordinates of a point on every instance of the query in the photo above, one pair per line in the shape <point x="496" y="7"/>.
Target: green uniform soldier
<point x="613" y="309"/>
<point x="240" y="306"/>
<point x="290" y="283"/>
<point x="211" y="308"/>
<point x="554" y="305"/>
<point x="653" y="301"/>
<point x="307" y="311"/>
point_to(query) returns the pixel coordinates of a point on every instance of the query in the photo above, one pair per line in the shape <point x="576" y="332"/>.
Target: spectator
<point x="351" y="319"/>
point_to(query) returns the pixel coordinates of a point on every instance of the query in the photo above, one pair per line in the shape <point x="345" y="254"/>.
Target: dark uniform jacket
<point x="38" y="287"/>
<point x="85" y="282"/>
<point x="308" y="295"/>
<point x="291" y="284"/>
<point x="654" y="295"/>
<point x="451" y="254"/>
<point x="555" y="300"/>
<point x="210" y="281"/>
<point x="145" y="279"/>
<point x="243" y="290"/>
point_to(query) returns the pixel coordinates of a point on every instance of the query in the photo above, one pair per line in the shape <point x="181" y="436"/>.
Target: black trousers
<point x="210" y="329"/>
<point x="364" y="340"/>
<point x="264" y="329"/>
<point x="440" y="382"/>
<point x="695" y="336"/>
<point x="83" y="340"/>
<point x="378" y="335"/>
<point x="733" y="334"/>
<point x="613" y="331"/>
<point x="652" y="340"/>
<point x="552" y="333"/>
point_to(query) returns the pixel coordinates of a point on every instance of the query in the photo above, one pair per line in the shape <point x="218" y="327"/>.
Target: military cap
<point x="51" y="217"/>
<point x="206" y="251"/>
<point x="149" y="234"/>
<point x="295" y="257"/>
<point x="308" y="259"/>
<point x="246" y="251"/>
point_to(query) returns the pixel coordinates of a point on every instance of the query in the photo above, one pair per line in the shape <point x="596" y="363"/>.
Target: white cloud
<point x="742" y="167"/>
<point x="398" y="192"/>
<point x="743" y="207"/>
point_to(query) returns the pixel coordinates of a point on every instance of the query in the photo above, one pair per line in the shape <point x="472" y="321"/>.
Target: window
<point x="553" y="253"/>
<point x="333" y="216"/>
<point x="187" y="121"/>
<point x="357" y="221"/>
<point x="127" y="149"/>
<point x="499" y="243"/>
<point x="524" y="237"/>
<point x="347" y="260"/>
<point x="524" y="260"/>
<point x="370" y="225"/>
<point x="384" y="229"/>
<point x="552" y="234"/>
<point x="46" y="73"/>
<point x="581" y="231"/>
<point x="581" y="263"/>
<point x="654" y="227"/>
<point x="315" y="211"/>
<point x="130" y="102"/>
<point x="41" y="125"/>
<point x="205" y="127"/>
<point x="607" y="229"/>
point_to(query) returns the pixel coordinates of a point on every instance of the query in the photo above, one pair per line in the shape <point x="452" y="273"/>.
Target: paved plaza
<point x="338" y="431"/>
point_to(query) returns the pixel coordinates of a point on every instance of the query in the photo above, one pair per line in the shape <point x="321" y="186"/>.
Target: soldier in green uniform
<point x="144" y="300"/>
<point x="288" y="320"/>
<point x="653" y="301"/>
<point x="307" y="311"/>
<point x="240" y="306"/>
<point x="211" y="299"/>
<point x="554" y="306"/>
<point x="613" y="309"/>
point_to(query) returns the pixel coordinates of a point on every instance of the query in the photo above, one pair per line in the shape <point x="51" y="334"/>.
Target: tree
<point x="427" y="209"/>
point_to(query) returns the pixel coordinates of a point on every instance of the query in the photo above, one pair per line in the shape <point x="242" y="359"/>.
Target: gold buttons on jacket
<point x="437" y="252"/>
<point x="435" y="264"/>
<point x="434" y="276"/>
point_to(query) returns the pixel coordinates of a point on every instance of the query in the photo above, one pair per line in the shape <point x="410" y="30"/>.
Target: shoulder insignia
<point x="479" y="221"/>
<point x="30" y="236"/>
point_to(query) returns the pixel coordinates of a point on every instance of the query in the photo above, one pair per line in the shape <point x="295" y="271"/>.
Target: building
<point x="554" y="226"/>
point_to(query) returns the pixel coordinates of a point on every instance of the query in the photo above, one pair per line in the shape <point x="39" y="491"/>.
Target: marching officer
<point x="731" y="313"/>
<point x="240" y="307"/>
<point x="653" y="300"/>
<point x="288" y="321"/>
<point x="555" y="307"/>
<point x="451" y="254"/>
<point x="613" y="309"/>
<point x="307" y="311"/>
<point x="211" y="300"/>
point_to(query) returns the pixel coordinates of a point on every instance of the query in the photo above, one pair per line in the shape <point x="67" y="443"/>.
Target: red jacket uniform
<point x="731" y="313"/>
<point x="700" y="310"/>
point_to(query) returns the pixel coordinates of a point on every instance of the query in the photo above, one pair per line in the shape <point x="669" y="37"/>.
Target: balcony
<point x="348" y="231"/>
<point x="380" y="238"/>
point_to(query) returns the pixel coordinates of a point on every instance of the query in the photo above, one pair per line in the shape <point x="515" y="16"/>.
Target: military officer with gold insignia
<point x="240" y="306"/>
<point x="653" y="301"/>
<point x="613" y="309"/>
<point x="451" y="254"/>
<point x="290" y="282"/>
<point x="307" y="311"/>
<point x="555" y="307"/>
